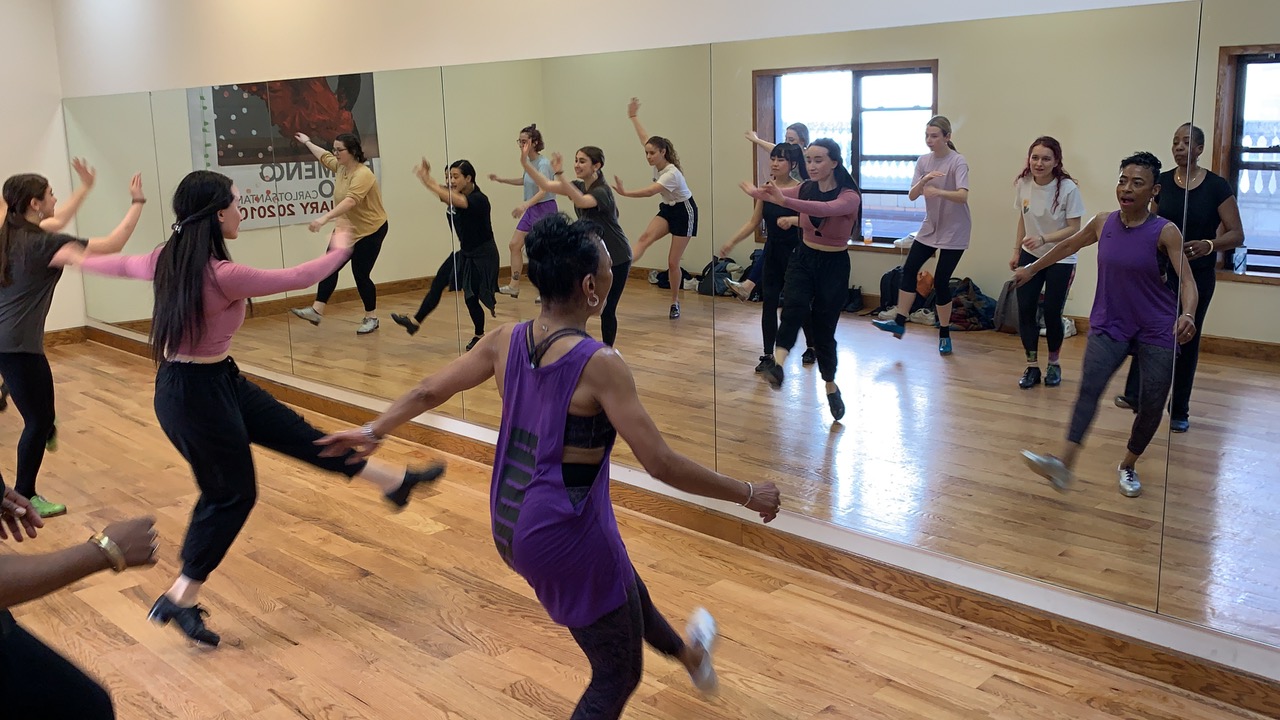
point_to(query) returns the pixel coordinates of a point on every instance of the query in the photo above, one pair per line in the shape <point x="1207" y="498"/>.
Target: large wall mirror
<point x="929" y="450"/>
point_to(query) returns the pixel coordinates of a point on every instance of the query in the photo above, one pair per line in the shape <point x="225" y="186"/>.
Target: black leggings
<point x="30" y="384"/>
<point x="948" y="259"/>
<point x="363" y="256"/>
<point x="609" y="316"/>
<point x="614" y="645"/>
<point x="445" y="275"/>
<point x="772" y="275"/>
<point x="1184" y="366"/>
<point x="1055" y="280"/>
<point x="1102" y="357"/>
<point x="37" y="682"/>
<point x="212" y="414"/>
<point x="815" y="292"/>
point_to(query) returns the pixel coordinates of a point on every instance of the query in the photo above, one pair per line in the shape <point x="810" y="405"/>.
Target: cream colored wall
<point x="585" y="100"/>
<point x="1001" y="89"/>
<point x="33" y="126"/>
<point x="1236" y="307"/>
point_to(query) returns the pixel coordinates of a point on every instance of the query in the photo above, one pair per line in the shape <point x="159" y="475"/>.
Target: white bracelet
<point x="367" y="430"/>
<point x="751" y="493"/>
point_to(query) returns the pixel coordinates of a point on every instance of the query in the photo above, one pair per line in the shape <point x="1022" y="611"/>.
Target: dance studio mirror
<point x="1220" y="564"/>
<point x="928" y="453"/>
<point x="583" y="101"/>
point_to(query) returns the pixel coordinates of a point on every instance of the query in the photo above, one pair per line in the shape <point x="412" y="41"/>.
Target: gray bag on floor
<point x="1007" y="309"/>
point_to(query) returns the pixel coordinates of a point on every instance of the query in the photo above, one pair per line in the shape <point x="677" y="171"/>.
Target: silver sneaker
<point x="509" y="290"/>
<point x="308" y="314"/>
<point x="1050" y="468"/>
<point x="1129" y="485"/>
<point x="368" y="326"/>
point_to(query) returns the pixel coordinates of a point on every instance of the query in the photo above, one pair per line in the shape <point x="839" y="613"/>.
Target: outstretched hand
<point x="557" y="163"/>
<point x="343" y="237"/>
<point x="17" y="516"/>
<point x="135" y="188"/>
<point x="617" y="185"/>
<point x="302" y="138"/>
<point x="83" y="170"/>
<point x="351" y="441"/>
<point x="766" y="500"/>
<point x="633" y="107"/>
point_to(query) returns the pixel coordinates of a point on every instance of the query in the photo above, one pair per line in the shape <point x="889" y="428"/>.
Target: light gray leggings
<point x="1102" y="358"/>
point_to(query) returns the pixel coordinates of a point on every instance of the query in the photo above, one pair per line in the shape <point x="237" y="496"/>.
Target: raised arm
<point x="134" y="267"/>
<point x="68" y="209"/>
<point x="115" y="242"/>
<point x="241" y="281"/>
<point x="330" y="161"/>
<point x="563" y="187"/>
<point x="644" y="192"/>
<point x="757" y="140"/>
<point x="749" y="227"/>
<point x="846" y="203"/>
<point x="614" y="387"/>
<point x="463" y="373"/>
<point x="633" y="112"/>
<point x="446" y="195"/>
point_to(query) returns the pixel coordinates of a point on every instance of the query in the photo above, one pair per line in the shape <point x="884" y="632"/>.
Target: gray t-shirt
<point x="605" y="215"/>
<point x="25" y="301"/>
<point x="946" y="224"/>
<point x="530" y="187"/>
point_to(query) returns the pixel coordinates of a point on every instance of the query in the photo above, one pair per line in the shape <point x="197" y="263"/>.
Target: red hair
<point x="1059" y="173"/>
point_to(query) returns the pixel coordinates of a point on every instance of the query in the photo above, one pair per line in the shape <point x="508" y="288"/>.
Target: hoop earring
<point x="593" y="300"/>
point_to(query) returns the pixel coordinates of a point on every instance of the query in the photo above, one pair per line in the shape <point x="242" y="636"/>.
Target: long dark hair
<point x="596" y="156"/>
<point x="182" y="269"/>
<point x="467" y="169"/>
<point x="352" y="144"/>
<point x="844" y="181"/>
<point x="19" y="191"/>
<point x="667" y="148"/>
<point x="1059" y="172"/>
<point x="794" y="155"/>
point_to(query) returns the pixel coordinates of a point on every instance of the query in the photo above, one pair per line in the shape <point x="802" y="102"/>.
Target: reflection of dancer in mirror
<point x="538" y="203"/>
<point x="781" y="238"/>
<point x="211" y="413"/>
<point x="942" y="177"/>
<point x="677" y="213"/>
<point x="817" y="280"/>
<point x="1049" y="211"/>
<point x="1134" y="311"/>
<point x="36" y="681"/>
<point x="563" y="395"/>
<point x="797" y="134"/>
<point x="29" y="271"/>
<point x="593" y="200"/>
<point x="473" y="267"/>
<point x="359" y="201"/>
<point x="1212" y="225"/>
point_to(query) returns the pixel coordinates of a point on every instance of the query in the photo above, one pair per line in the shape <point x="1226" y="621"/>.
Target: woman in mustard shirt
<point x="359" y="200"/>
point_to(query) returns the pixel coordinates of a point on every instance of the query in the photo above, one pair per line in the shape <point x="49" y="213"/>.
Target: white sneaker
<point x="1129" y="485"/>
<point x="889" y="314"/>
<point x="509" y="290"/>
<point x="308" y="314"/>
<point x="1050" y="468"/>
<point x="702" y="633"/>
<point x="368" y="326"/>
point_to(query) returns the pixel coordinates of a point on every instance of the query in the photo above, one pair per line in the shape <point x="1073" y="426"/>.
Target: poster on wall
<point x="246" y="131"/>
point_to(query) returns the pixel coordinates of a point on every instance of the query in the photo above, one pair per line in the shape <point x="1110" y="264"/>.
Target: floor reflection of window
<point x="878" y="117"/>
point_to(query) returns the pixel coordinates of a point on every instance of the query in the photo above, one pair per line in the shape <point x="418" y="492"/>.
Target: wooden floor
<point x="928" y="454"/>
<point x="332" y="608"/>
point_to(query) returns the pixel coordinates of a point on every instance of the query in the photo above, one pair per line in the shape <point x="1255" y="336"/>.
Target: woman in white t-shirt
<point x="677" y="213"/>
<point x="1049" y="211"/>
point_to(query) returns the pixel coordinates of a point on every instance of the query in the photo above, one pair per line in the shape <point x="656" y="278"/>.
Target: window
<point x="876" y="112"/>
<point x="1247" y="150"/>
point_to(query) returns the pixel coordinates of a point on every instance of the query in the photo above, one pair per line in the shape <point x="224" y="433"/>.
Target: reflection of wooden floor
<point x="330" y="607"/>
<point x="928" y="454"/>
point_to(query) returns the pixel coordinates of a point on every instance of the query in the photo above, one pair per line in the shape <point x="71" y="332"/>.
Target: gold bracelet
<point x="112" y="550"/>
<point x="1210" y="247"/>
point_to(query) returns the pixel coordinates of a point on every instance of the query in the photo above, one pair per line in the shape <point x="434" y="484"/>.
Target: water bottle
<point x="1240" y="260"/>
<point x="867" y="235"/>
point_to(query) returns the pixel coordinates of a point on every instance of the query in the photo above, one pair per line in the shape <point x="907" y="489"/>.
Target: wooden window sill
<point x="1254" y="278"/>
<point x="877" y="247"/>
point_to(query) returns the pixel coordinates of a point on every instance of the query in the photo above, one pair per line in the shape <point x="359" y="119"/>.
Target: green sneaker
<point x="51" y="443"/>
<point x="46" y="508"/>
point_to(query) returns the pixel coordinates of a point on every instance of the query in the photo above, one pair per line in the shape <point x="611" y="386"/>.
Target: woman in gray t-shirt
<point x="31" y="260"/>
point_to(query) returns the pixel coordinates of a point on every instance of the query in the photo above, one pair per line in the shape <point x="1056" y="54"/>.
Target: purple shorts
<point x="536" y="213"/>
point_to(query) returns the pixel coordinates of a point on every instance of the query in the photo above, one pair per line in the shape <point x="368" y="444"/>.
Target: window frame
<point x="1228" y="126"/>
<point x="764" y="101"/>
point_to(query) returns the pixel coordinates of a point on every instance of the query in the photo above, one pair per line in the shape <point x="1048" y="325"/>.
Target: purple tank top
<point x="1132" y="301"/>
<point x="572" y="557"/>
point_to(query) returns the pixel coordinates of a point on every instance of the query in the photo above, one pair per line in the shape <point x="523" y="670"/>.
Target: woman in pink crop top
<point x="817" y="283"/>
<point x="209" y="411"/>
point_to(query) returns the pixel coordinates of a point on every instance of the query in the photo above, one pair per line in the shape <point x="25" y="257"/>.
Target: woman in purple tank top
<point x="563" y="393"/>
<point x="1134" y="313"/>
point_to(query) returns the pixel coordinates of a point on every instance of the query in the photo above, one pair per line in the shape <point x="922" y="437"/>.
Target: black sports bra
<point x="579" y="432"/>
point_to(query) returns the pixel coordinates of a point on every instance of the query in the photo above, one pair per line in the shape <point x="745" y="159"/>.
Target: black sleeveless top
<point x="774" y="233"/>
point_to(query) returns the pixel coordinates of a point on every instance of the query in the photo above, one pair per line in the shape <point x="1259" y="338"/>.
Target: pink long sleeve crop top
<point x="837" y="216"/>
<point x="229" y="285"/>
